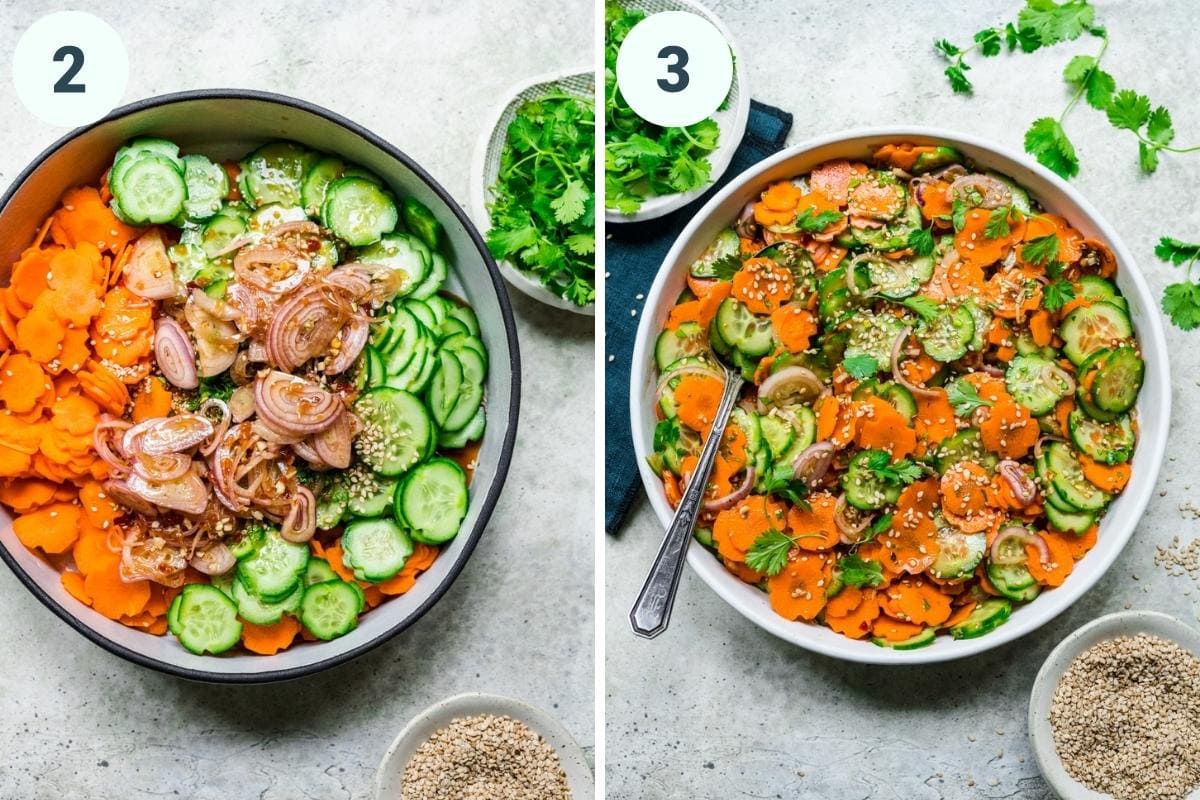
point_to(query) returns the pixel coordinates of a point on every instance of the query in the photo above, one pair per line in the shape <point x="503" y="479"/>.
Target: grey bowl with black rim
<point x="227" y="123"/>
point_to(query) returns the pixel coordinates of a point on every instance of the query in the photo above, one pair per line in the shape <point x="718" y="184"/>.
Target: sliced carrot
<point x="1009" y="430"/>
<point x="918" y="601"/>
<point x="73" y="582"/>
<point x="733" y="446"/>
<point x="1055" y="571"/>
<point x="698" y="397"/>
<point x="911" y="545"/>
<point x="972" y="244"/>
<point x="893" y="630"/>
<point x="671" y="488"/>
<point x="736" y="529"/>
<point x="1041" y="328"/>
<point x="936" y="205"/>
<point x="827" y="417"/>
<point x="1109" y="478"/>
<point x="28" y="279"/>
<point x="1077" y="544"/>
<point x="857" y="621"/>
<point x="874" y="198"/>
<point x="113" y="597"/>
<point x="814" y="528"/>
<point x="935" y="420"/>
<point x="798" y="590"/>
<point x="421" y="559"/>
<point x="267" y="640"/>
<point x="882" y="427"/>
<point x="781" y="196"/>
<point x="959" y="614"/>
<point x="964" y="488"/>
<point x="833" y="178"/>
<point x="40" y="333"/>
<point x="903" y="155"/>
<point x="26" y="494"/>
<point x="152" y="400"/>
<point x="98" y="508"/>
<point x="762" y="285"/>
<point x="85" y="217"/>
<point x="743" y="572"/>
<point x="53" y="528"/>
<point x="92" y="552"/>
<point x="794" y="326"/>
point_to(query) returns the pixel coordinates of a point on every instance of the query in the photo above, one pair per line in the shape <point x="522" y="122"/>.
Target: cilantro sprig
<point x="903" y="472"/>
<point x="964" y="397"/>
<point x="1181" y="301"/>
<point x="859" y="572"/>
<point x="640" y="159"/>
<point x="860" y="367"/>
<point x="543" y="206"/>
<point x="1057" y="294"/>
<point x="769" y="553"/>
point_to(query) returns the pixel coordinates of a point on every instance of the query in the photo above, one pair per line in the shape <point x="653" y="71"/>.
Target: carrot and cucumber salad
<point x="236" y="403"/>
<point x="940" y="405"/>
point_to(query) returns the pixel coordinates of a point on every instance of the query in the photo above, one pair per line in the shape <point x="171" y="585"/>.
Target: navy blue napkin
<point x="633" y="254"/>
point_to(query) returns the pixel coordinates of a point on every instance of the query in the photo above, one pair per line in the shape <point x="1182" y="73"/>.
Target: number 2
<point x="64" y="84"/>
<point x="675" y="69"/>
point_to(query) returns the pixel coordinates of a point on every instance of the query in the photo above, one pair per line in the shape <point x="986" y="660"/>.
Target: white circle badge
<point x="70" y="68"/>
<point x="674" y="68"/>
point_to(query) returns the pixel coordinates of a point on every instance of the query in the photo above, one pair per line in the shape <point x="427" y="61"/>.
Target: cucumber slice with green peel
<point x="940" y="156"/>
<point x="439" y="270"/>
<point x="1077" y="522"/>
<point x="151" y="146"/>
<point x="358" y="211"/>
<point x="272" y="571"/>
<point x="1090" y="328"/>
<point x="443" y="391"/>
<point x="895" y="278"/>
<point x="330" y="609"/>
<point x="370" y="493"/>
<point x="864" y="489"/>
<point x="173" y="614"/>
<point x="432" y="501"/>
<point x="1117" y="382"/>
<point x="746" y="332"/>
<point x="1037" y="383"/>
<point x="726" y="244"/>
<point x="1020" y="196"/>
<point x="450" y="326"/>
<point x="966" y="445"/>
<point x="948" y="336"/>
<point x="274" y="172"/>
<point x="421" y="221"/>
<point x="399" y="251"/>
<point x="220" y="231"/>
<point x="471" y="432"/>
<point x="151" y="190"/>
<point x="778" y="433"/>
<point x="1094" y="287"/>
<point x="396" y="431"/>
<point x="375" y="549"/>
<point x="474" y="365"/>
<point x="470" y="399"/>
<point x="1063" y="470"/>
<point x="873" y="335"/>
<point x="316" y="181"/>
<point x="804" y="424"/>
<point x="259" y="612"/>
<point x="375" y="372"/>
<point x="900" y="398"/>
<point x="985" y="618"/>
<point x="959" y="553"/>
<point x="1014" y="581"/>
<point x="207" y="620"/>
<point x="207" y="185"/>
<point x="983" y="320"/>
<point x="332" y="504"/>
<point x="923" y="639"/>
<point x="1107" y="442"/>
<point x="466" y="315"/>
<point x="318" y="571"/>
<point x="688" y="339"/>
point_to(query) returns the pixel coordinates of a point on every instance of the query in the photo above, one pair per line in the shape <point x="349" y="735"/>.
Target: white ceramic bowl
<point x="390" y="775"/>
<point x="731" y="119"/>
<point x="227" y="123"/>
<point x="1154" y="403"/>
<point x="1041" y="736"/>
<point x="485" y="166"/>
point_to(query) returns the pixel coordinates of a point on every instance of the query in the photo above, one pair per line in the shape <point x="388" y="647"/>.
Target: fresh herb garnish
<point x="1057" y="294"/>
<point x="964" y="397"/>
<point x="860" y="366"/>
<point x="1040" y="250"/>
<point x="924" y="307"/>
<point x="958" y="214"/>
<point x="666" y="434"/>
<point x="997" y="224"/>
<point x="859" y="572"/>
<point x="1044" y="23"/>
<point x="810" y="223"/>
<point x="725" y="267"/>
<point x="640" y="159"/>
<point x="543" y="206"/>
<point x="881" y="524"/>
<point x="1181" y="301"/>
<point x="902" y="472"/>
<point x="218" y="387"/>
<point x="920" y="241"/>
<point x="769" y="553"/>
<point x="781" y="480"/>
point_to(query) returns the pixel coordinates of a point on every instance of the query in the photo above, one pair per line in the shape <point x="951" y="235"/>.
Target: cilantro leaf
<point x="1048" y="143"/>
<point x="988" y="40"/>
<point x="924" y="307"/>
<point x="997" y="223"/>
<point x="959" y="82"/>
<point x="858" y="572"/>
<point x="725" y="267"/>
<point x="1040" y="250"/>
<point x="1057" y="294"/>
<point x="860" y="366"/>
<point x="1181" y="302"/>
<point x="958" y="214"/>
<point x="964" y="397"/>
<point x="902" y="472"/>
<point x="809" y="223"/>
<point x="881" y="524"/>
<point x="1176" y="251"/>
<point x="769" y="553"/>
<point x="920" y="241"/>
<point x="666" y="433"/>
<point x="1098" y="85"/>
<point x="947" y="49"/>
<point x="781" y="480"/>
<point x="1024" y="39"/>
<point x="569" y="205"/>
<point x="1158" y="126"/>
<point x="1053" y="22"/>
<point x="1128" y="110"/>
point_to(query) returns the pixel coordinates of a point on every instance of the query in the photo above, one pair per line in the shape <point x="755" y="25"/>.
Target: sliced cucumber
<point x="375" y="549"/>
<point x="743" y="330"/>
<point x="432" y="501"/>
<point x="332" y="503"/>
<point x="273" y="173"/>
<point x="421" y="221"/>
<point x="358" y="211"/>
<point x="330" y="609"/>
<point x="1066" y="475"/>
<point x="958" y="553"/>
<point x="272" y="571"/>
<point x="443" y="391"/>
<point x="1107" y="442"/>
<point x="1118" y="381"/>
<point x="965" y="445"/>
<point x="400" y="252"/>
<point x="895" y="278"/>
<point x="922" y="639"/>
<point x="1077" y="522"/>
<point x="471" y="432"/>
<point x="150" y="190"/>
<point x="778" y="434"/>
<point x="318" y="571"/>
<point x="865" y="490"/>
<point x="1090" y="328"/>
<point x="873" y="335"/>
<point x="986" y="617"/>
<point x="260" y="612"/>
<point x="207" y="620"/>
<point x="397" y="430"/>
<point x="687" y="339"/>
<point x="438" y="271"/>
<point x="1014" y="581"/>
<point x="207" y="185"/>
<point x="221" y="230"/>
<point x="316" y="181"/>
<point x="370" y="494"/>
<point x="948" y="336"/>
<point x="1037" y="383"/>
<point x="726" y="244"/>
<point x="940" y="156"/>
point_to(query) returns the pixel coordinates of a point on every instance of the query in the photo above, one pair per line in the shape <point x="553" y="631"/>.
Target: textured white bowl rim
<point x="1154" y="408"/>
<point x="441" y="713"/>
<point x="480" y="188"/>
<point x="1110" y="626"/>
<point x="731" y="134"/>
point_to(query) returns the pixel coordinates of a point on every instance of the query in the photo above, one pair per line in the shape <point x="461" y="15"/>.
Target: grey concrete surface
<point x="76" y="722"/>
<point x="717" y="709"/>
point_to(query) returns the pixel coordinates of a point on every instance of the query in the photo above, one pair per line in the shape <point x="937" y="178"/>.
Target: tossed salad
<point x="236" y="403"/>
<point x="943" y="379"/>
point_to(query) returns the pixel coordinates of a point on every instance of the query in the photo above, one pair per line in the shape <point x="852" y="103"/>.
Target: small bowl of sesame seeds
<point x="483" y="745"/>
<point x="1115" y="710"/>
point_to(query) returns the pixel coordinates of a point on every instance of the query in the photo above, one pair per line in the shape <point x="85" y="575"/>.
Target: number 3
<point x="64" y="85"/>
<point x="675" y="69"/>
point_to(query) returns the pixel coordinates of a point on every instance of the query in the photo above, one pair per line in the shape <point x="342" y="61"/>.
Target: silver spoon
<point x="652" y="611"/>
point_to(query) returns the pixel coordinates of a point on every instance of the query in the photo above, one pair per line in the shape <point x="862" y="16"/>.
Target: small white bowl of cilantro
<point x="532" y="189"/>
<point x="650" y="171"/>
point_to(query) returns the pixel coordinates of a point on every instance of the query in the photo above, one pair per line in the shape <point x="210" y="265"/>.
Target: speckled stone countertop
<point x="76" y="722"/>
<point x="716" y="708"/>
